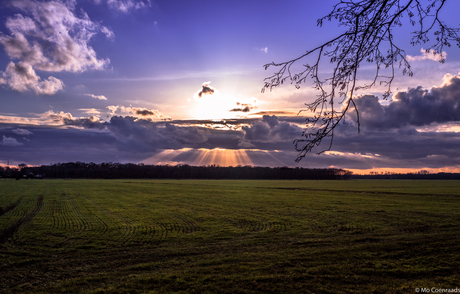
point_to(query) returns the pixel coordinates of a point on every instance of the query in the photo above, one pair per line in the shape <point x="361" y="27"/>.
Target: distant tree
<point x="368" y="39"/>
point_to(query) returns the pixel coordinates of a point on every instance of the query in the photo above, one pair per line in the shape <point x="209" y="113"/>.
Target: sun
<point x="214" y="106"/>
<point x="220" y="106"/>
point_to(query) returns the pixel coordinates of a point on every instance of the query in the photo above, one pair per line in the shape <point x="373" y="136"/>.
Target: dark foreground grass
<point x="124" y="236"/>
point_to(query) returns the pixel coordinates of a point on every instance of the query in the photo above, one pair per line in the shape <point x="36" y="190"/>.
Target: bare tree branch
<point x="368" y="39"/>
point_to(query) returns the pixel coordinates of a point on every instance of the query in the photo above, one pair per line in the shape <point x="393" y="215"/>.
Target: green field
<point x="205" y="236"/>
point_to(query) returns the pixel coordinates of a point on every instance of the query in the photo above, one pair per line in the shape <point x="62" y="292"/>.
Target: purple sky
<point x="179" y="82"/>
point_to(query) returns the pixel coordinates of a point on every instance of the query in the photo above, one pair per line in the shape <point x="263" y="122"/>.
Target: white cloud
<point x="100" y="97"/>
<point x="22" y="132"/>
<point x="50" y="118"/>
<point x="90" y="111"/>
<point x="265" y="49"/>
<point x="48" y="37"/>
<point x="431" y="55"/>
<point x="125" y="5"/>
<point x="21" y="77"/>
<point x="9" y="141"/>
<point x="108" y="33"/>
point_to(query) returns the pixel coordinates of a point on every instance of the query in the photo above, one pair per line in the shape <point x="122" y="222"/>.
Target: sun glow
<point x="211" y="107"/>
<point x="219" y="106"/>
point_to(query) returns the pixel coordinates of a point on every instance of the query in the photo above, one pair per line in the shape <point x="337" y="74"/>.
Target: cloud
<point x="48" y="118"/>
<point x="125" y="5"/>
<point x="206" y="89"/>
<point x="91" y="122"/>
<point x="276" y="112"/>
<point x="48" y="37"/>
<point x="9" y="141"/>
<point x="139" y="135"/>
<point x="23" y="132"/>
<point x="100" y="97"/>
<point x="90" y="111"/>
<point x="428" y="55"/>
<point x="414" y="107"/>
<point x="243" y="107"/>
<point x="21" y="77"/>
<point x="266" y="141"/>
<point x="265" y="49"/>
<point x="108" y="33"/>
<point x="271" y="129"/>
<point x="138" y="112"/>
<point x="146" y="134"/>
<point x="143" y="135"/>
<point x="145" y="112"/>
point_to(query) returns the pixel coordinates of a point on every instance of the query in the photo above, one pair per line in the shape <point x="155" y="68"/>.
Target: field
<point x="190" y="236"/>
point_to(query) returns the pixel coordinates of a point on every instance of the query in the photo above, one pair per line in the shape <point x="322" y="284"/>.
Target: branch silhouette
<point x="368" y="39"/>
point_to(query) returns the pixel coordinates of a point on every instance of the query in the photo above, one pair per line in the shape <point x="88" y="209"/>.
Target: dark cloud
<point x="245" y="109"/>
<point x="271" y="129"/>
<point x="87" y="123"/>
<point x="267" y="141"/>
<point x="206" y="89"/>
<point x="277" y="113"/>
<point x="139" y="112"/>
<point x="130" y="138"/>
<point x="143" y="135"/>
<point x="145" y="112"/>
<point x="415" y="107"/>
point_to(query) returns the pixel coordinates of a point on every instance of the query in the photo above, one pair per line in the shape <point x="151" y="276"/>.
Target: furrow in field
<point x="365" y="192"/>
<point x="144" y="233"/>
<point x="172" y="223"/>
<point x="122" y="223"/>
<point x="72" y="224"/>
<point x="61" y="221"/>
<point x="149" y="232"/>
<point x="54" y="210"/>
<point x="11" y="230"/>
<point x="65" y="214"/>
<point x="22" y="209"/>
<point x="10" y="207"/>
<point x="190" y="226"/>
<point x="257" y="226"/>
<point x="15" y="211"/>
<point x="26" y="217"/>
<point x="342" y="228"/>
<point x="129" y="230"/>
<point x="414" y="228"/>
<point x="98" y="223"/>
<point x="78" y="219"/>
<point x="163" y="230"/>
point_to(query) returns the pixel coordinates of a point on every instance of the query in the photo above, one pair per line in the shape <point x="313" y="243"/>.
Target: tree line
<point x="420" y="175"/>
<point x="108" y="170"/>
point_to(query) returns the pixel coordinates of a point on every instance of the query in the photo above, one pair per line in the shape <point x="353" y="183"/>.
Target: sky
<point x="179" y="82"/>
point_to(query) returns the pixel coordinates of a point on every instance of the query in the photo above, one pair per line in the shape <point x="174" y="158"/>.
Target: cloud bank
<point x="408" y="132"/>
<point x="415" y="107"/>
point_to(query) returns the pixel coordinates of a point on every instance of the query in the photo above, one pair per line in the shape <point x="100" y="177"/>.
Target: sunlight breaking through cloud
<point x="201" y="156"/>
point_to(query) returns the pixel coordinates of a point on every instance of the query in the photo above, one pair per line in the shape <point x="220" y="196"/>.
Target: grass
<point x="190" y="236"/>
